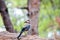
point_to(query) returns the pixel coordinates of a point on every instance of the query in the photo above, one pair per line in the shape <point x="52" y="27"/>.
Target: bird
<point x="26" y="28"/>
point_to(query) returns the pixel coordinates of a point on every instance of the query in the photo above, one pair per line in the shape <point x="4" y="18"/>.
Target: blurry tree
<point x="33" y="6"/>
<point x="5" y="17"/>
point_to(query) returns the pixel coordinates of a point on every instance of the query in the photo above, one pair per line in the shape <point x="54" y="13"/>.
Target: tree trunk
<point x="33" y="9"/>
<point x="5" y="16"/>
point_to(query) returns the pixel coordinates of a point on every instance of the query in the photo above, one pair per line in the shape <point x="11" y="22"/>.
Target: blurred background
<point x="49" y="16"/>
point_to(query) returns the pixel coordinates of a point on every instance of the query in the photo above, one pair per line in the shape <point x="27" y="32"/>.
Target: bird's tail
<point x="20" y="34"/>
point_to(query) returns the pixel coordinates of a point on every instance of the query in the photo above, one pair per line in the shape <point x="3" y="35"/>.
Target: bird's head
<point x="28" y="21"/>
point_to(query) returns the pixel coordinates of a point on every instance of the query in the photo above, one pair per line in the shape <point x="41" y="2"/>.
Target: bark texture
<point x="5" y="17"/>
<point x="33" y="9"/>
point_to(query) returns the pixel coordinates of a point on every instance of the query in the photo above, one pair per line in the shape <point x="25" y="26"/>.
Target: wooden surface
<point x="12" y="36"/>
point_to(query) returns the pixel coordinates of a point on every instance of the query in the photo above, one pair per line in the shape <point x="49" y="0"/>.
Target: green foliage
<point x="48" y="12"/>
<point x="18" y="3"/>
<point x="1" y="21"/>
<point x="19" y="27"/>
